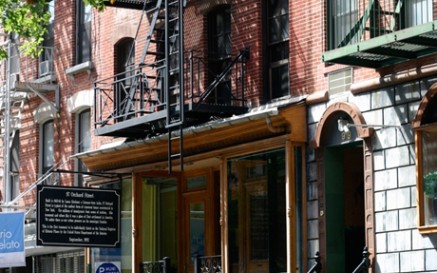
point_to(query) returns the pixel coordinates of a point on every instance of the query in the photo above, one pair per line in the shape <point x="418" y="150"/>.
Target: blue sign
<point x="12" y="239"/>
<point x="108" y="268"/>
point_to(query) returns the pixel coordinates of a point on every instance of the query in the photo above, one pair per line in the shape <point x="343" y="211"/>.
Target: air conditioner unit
<point x="45" y="68"/>
<point x="13" y="79"/>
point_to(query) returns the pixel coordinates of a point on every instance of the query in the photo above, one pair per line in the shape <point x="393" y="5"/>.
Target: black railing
<point x="317" y="267"/>
<point x="160" y="266"/>
<point x="364" y="264"/>
<point x="139" y="92"/>
<point x="234" y="74"/>
<point x="208" y="264"/>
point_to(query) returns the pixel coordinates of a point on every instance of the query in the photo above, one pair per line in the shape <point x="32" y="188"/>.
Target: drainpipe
<point x="274" y="129"/>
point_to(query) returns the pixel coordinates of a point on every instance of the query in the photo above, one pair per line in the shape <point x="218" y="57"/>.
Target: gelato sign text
<point x="7" y="241"/>
<point x="78" y="216"/>
<point x="12" y="239"/>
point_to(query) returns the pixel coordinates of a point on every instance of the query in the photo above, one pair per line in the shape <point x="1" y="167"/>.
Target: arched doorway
<point x="345" y="180"/>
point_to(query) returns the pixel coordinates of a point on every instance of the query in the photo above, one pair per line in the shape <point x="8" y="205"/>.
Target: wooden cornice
<point x="289" y="121"/>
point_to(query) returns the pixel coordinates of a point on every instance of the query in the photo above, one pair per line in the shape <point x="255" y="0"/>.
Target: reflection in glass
<point x="429" y="152"/>
<point x="257" y="213"/>
<point x="197" y="229"/>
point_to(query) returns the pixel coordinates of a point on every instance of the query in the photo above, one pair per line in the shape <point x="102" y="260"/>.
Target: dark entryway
<point x="345" y="207"/>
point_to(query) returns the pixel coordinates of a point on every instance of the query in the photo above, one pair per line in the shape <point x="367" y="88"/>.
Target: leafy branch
<point x="29" y="19"/>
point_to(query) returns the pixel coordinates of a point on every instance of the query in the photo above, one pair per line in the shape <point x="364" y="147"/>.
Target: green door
<point x="344" y="193"/>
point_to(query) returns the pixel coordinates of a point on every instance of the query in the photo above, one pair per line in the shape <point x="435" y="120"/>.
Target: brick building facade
<point x="251" y="134"/>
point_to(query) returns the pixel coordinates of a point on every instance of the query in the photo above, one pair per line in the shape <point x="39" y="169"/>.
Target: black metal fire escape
<point x="150" y="99"/>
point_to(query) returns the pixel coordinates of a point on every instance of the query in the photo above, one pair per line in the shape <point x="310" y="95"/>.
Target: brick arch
<point x="429" y="96"/>
<point x="348" y="108"/>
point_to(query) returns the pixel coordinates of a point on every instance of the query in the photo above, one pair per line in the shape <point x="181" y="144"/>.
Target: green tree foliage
<point x="98" y="4"/>
<point x="29" y="19"/>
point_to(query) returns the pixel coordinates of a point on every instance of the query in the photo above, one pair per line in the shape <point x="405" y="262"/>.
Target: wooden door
<point x="199" y="224"/>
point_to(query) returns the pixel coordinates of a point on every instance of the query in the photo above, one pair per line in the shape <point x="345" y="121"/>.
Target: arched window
<point x="124" y="69"/>
<point x="47" y="154"/>
<point x="425" y="125"/>
<point x="83" y="140"/>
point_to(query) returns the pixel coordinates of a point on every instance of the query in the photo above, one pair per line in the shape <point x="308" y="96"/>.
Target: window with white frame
<point x="418" y="12"/>
<point x="15" y="165"/>
<point x="342" y="16"/>
<point x="47" y="146"/>
<point x="83" y="140"/>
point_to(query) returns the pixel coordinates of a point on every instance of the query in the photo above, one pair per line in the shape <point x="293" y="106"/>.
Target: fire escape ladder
<point x="11" y="106"/>
<point x="145" y="83"/>
<point x="48" y="178"/>
<point x="173" y="80"/>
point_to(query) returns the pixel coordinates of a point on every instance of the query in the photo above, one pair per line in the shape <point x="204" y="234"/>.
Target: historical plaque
<point x="68" y="216"/>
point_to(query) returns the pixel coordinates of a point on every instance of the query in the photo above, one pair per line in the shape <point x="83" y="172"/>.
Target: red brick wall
<point x="308" y="74"/>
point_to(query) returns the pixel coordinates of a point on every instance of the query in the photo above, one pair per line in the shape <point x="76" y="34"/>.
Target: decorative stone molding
<point x="432" y="92"/>
<point x="44" y="112"/>
<point x="80" y="100"/>
<point x="348" y="108"/>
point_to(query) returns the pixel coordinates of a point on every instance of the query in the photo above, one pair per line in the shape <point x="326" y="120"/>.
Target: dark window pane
<point x="277" y="48"/>
<point x="280" y="81"/>
<point x="219" y="52"/>
<point x="83" y="46"/>
<point x="47" y="146"/>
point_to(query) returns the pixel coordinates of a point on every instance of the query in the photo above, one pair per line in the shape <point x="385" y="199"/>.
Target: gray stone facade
<point x="398" y="244"/>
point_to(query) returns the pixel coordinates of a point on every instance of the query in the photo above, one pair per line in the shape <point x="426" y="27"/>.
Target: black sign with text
<point x="68" y="216"/>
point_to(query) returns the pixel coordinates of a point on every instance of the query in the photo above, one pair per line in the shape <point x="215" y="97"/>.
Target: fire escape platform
<point x="129" y="4"/>
<point x="31" y="86"/>
<point x="389" y="49"/>
<point x="155" y="123"/>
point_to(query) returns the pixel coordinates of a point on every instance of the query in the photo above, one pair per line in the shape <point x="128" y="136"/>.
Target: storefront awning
<point x="285" y="116"/>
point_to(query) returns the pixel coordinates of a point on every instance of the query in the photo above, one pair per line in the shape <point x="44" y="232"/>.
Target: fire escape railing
<point x="208" y="264"/>
<point x="139" y="92"/>
<point x="235" y="72"/>
<point x="160" y="266"/>
<point x="317" y="266"/>
<point x="369" y="19"/>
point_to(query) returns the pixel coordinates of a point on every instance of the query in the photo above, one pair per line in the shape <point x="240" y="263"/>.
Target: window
<point x="125" y="63"/>
<point x="46" y="58"/>
<point x="45" y="264"/>
<point x="418" y="12"/>
<point x="277" y="48"/>
<point x="47" y="146"/>
<point x="14" y="57"/>
<point x="15" y="165"/>
<point x="83" y="33"/>
<point x="71" y="262"/>
<point x="257" y="212"/>
<point x="426" y="152"/>
<point x="340" y="81"/>
<point x="125" y="58"/>
<point x="83" y="140"/>
<point x="159" y="209"/>
<point x="219" y="51"/>
<point x="120" y="255"/>
<point x="342" y="16"/>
